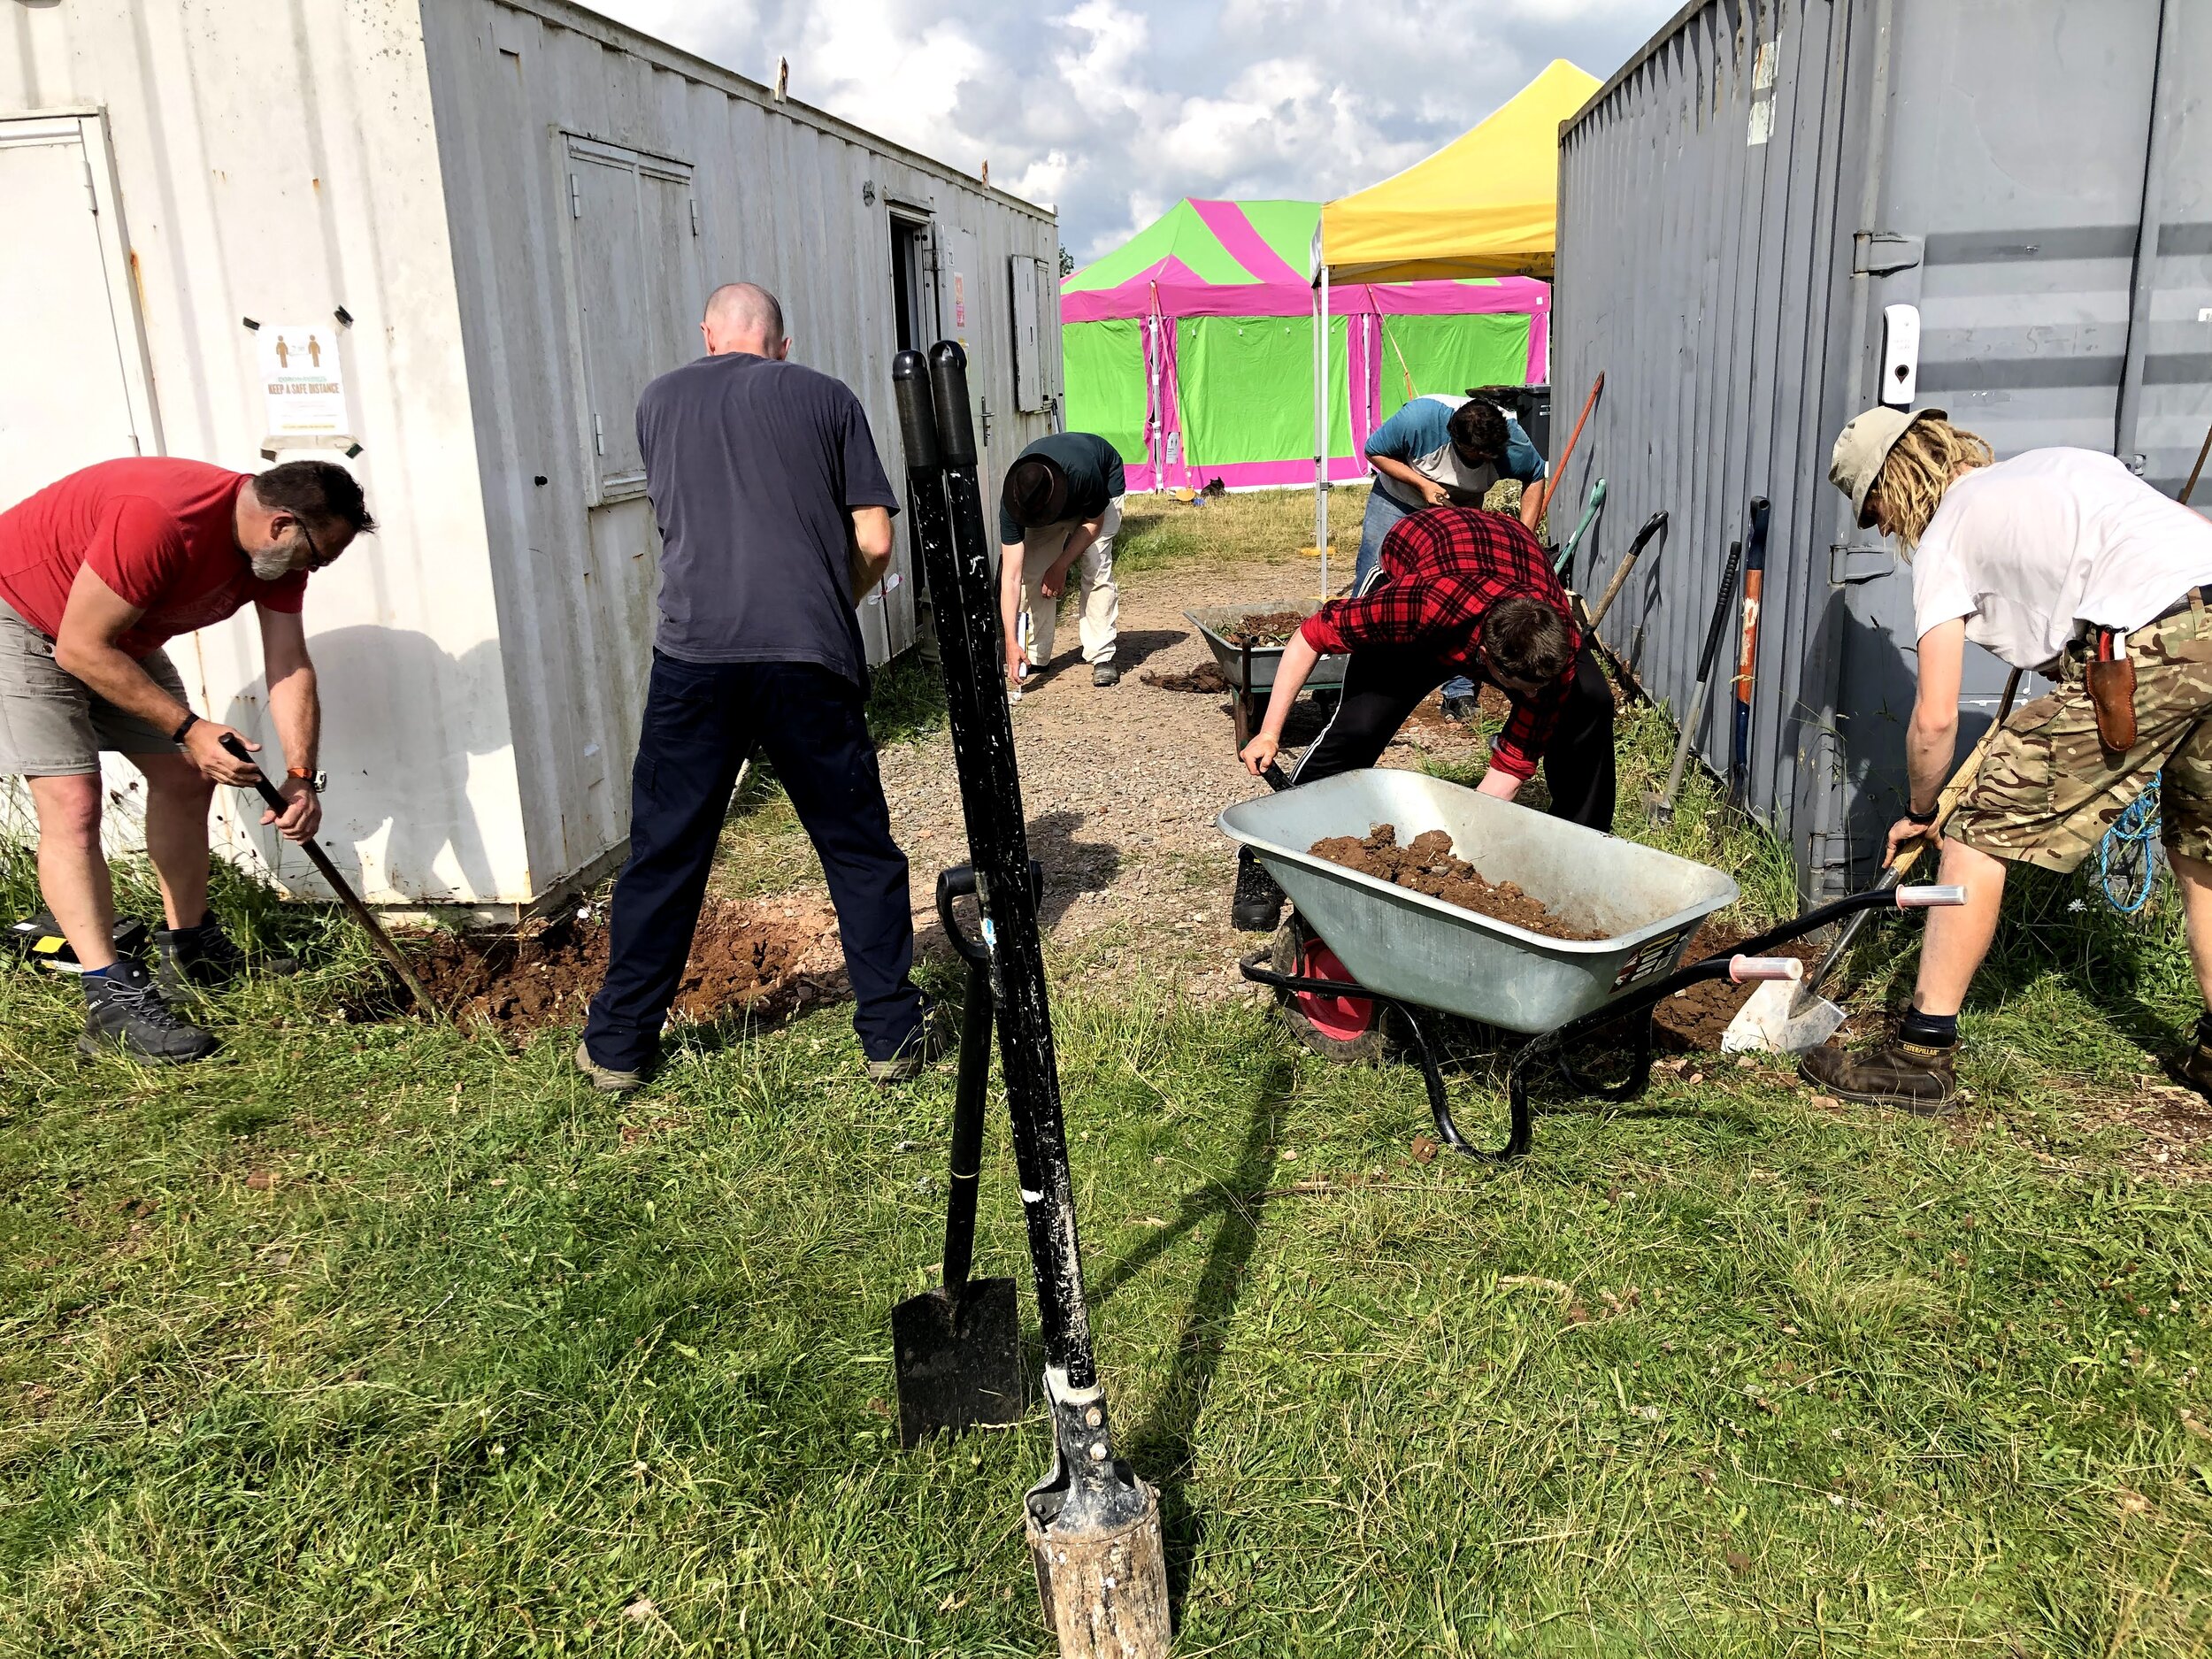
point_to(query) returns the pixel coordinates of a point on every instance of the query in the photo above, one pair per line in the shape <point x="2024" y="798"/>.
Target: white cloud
<point x="1112" y="109"/>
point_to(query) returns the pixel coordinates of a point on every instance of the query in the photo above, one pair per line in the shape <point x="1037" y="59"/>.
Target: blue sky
<point x="1111" y="110"/>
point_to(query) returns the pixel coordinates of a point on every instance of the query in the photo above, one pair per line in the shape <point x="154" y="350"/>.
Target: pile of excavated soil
<point x="1206" y="678"/>
<point x="1267" y="627"/>
<point x="763" y="958"/>
<point x="1428" y="865"/>
<point x="1694" y="1019"/>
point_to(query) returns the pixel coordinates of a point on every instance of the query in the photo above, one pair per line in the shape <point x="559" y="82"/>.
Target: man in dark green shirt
<point x="1060" y="507"/>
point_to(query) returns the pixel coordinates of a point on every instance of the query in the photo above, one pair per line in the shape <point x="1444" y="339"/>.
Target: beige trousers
<point x="1098" y="606"/>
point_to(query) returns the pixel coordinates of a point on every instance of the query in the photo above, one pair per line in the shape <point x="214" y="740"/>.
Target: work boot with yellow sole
<point x="1906" y="1077"/>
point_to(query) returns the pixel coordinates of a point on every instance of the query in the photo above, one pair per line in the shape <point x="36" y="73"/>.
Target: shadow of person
<point x="1161" y="1443"/>
<point x="383" y="775"/>
<point x="1072" y="867"/>
<point x="1135" y="646"/>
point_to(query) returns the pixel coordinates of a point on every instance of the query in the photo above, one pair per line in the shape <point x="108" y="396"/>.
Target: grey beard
<point x="273" y="566"/>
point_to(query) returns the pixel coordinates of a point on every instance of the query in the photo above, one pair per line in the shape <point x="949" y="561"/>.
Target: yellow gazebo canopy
<point x="1486" y="204"/>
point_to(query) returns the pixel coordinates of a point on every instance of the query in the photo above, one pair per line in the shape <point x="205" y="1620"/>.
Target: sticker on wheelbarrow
<point x="1651" y="958"/>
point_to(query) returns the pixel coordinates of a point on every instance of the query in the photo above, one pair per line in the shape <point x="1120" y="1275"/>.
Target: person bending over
<point x="1457" y="591"/>
<point x="1059" y="509"/>
<point x="2058" y="561"/>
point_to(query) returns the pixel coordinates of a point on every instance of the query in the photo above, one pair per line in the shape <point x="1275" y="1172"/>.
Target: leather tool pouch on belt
<point x="2110" y="680"/>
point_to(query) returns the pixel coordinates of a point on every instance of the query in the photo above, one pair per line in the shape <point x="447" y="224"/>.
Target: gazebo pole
<point x="1321" y="427"/>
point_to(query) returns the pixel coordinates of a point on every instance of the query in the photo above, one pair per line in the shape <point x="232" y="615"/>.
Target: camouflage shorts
<point x="2048" y="790"/>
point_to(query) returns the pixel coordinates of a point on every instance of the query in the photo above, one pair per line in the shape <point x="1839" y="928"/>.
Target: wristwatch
<point x="1929" y="816"/>
<point x="313" y="779"/>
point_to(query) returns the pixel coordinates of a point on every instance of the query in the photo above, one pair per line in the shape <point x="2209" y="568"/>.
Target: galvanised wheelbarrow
<point x="1359" y="944"/>
<point x="1250" y="669"/>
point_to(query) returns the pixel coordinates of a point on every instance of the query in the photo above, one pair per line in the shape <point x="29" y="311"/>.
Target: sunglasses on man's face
<point x="317" y="560"/>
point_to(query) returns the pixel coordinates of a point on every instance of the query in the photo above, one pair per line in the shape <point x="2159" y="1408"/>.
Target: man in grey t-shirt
<point x="775" y="519"/>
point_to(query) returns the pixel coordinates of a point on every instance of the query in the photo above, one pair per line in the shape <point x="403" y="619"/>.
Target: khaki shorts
<point x="52" y="725"/>
<point x="2048" y="790"/>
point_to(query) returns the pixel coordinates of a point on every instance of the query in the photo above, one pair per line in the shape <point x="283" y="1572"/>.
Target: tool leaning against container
<point x="1093" y="1526"/>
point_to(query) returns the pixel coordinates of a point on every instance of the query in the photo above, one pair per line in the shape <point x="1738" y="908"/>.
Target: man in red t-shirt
<point x="97" y="572"/>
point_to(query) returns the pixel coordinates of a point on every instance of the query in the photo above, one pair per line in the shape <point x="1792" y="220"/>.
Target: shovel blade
<point x="1772" y="1022"/>
<point x="959" y="1363"/>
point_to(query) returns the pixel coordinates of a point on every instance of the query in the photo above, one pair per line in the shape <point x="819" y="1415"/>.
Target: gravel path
<point x="1122" y="786"/>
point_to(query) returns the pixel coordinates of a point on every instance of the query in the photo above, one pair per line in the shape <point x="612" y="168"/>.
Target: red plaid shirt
<point x="1445" y="567"/>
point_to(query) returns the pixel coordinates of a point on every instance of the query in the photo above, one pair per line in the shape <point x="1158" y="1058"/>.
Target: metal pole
<point x="2127" y="435"/>
<point x="1093" y="1526"/>
<point x="1322" y="421"/>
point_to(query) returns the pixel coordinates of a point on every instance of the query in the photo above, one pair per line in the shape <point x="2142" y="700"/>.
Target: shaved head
<point x="743" y="317"/>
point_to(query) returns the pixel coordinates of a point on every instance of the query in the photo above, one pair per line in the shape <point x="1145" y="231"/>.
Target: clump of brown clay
<point x="1270" y="627"/>
<point x="1207" y="678"/>
<point x="1428" y="865"/>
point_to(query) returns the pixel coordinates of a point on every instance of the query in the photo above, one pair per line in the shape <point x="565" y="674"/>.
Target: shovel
<point x="347" y="898"/>
<point x="957" y="1349"/>
<point x="1565" y="561"/>
<point x="1792" y="1020"/>
<point x="1661" y="805"/>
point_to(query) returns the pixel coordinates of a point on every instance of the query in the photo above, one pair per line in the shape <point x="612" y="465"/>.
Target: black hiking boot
<point x="1462" y="709"/>
<point x="1258" y="904"/>
<point x="124" y="1011"/>
<point x="1906" y="1077"/>
<point x="205" y="958"/>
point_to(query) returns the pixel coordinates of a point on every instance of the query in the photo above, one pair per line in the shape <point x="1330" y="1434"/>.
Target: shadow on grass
<point x="1161" y="1443"/>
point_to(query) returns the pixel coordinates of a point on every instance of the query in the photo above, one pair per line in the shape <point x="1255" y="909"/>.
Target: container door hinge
<point x="1880" y="252"/>
<point x="694" y="215"/>
<point x="1848" y="565"/>
<point x="575" y="197"/>
<point x="598" y="437"/>
<point x="91" y="191"/>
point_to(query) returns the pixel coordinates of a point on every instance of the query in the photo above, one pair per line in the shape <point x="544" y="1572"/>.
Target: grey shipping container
<point x="1774" y="207"/>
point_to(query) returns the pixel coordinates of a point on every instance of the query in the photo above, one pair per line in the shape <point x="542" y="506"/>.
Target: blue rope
<point x="2124" y="854"/>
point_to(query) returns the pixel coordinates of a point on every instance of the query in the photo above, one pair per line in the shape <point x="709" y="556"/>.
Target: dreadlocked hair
<point x="1923" y="465"/>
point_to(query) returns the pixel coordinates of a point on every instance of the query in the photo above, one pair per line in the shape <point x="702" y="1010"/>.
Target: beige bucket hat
<point x="1864" y="445"/>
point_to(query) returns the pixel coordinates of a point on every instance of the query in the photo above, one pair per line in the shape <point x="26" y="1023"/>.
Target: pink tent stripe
<point x="1245" y="245"/>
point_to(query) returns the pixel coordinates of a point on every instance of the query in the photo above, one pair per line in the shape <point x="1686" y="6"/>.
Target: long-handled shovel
<point x="1564" y="563"/>
<point x="1962" y="780"/>
<point x="1661" y="805"/>
<point x="1653" y="525"/>
<point x="321" y="859"/>
<point x="1092" y="1525"/>
<point x="957" y="1350"/>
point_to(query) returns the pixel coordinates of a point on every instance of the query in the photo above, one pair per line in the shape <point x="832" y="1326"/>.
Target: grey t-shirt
<point x="754" y="468"/>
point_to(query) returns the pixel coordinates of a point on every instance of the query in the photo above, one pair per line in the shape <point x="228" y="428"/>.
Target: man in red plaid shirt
<point x="1459" y="591"/>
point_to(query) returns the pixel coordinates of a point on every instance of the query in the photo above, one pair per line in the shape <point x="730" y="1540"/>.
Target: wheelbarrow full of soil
<point x="1565" y="933"/>
<point x="1247" y="642"/>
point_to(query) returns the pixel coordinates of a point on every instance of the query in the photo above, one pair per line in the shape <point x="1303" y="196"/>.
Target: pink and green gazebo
<point x="1191" y="347"/>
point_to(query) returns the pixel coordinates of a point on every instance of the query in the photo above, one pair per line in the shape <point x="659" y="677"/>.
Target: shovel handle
<point x="1962" y="780"/>
<point x="337" y="883"/>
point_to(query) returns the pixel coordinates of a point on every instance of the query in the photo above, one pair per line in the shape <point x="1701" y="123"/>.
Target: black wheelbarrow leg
<point x="1093" y="1527"/>
<point x="956" y="1350"/>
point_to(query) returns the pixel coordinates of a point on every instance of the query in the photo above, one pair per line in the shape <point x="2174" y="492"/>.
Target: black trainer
<point x="123" y="1009"/>
<point x="1258" y="904"/>
<point x="205" y="958"/>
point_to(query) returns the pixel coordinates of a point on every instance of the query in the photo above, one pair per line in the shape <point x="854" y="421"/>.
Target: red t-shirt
<point x="159" y="532"/>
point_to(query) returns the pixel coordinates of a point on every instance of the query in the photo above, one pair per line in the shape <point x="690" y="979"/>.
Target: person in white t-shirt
<point x="2062" y="562"/>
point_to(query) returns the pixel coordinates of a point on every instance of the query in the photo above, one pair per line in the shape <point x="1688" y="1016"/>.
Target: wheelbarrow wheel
<point x="1346" y="1029"/>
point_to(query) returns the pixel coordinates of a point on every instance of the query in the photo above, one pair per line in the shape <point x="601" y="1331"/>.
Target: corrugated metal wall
<point x="538" y="105"/>
<point x="1737" y="207"/>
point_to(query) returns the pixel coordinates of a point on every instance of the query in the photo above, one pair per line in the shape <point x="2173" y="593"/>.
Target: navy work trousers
<point x="702" y="721"/>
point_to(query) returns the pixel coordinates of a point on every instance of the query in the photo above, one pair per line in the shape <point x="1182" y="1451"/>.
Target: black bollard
<point x="1093" y="1526"/>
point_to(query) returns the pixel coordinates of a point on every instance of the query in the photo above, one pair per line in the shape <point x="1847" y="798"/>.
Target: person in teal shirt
<point x="1439" y="451"/>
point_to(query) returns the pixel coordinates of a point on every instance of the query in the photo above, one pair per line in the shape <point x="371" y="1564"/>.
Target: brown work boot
<point x="1906" y="1077"/>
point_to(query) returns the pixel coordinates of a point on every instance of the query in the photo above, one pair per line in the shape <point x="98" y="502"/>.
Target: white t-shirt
<point x="2030" y="548"/>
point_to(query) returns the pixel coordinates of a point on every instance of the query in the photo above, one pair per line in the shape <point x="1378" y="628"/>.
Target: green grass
<point x="383" y="1341"/>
